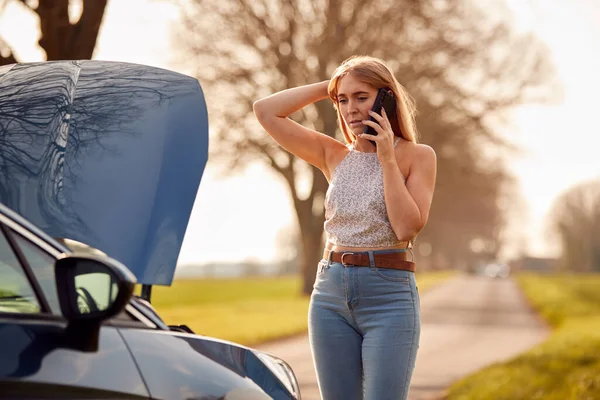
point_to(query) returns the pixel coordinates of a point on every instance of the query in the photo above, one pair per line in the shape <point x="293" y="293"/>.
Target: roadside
<point x="467" y="323"/>
<point x="566" y="365"/>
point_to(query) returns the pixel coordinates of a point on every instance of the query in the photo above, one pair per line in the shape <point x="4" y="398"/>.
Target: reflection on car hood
<point x="109" y="154"/>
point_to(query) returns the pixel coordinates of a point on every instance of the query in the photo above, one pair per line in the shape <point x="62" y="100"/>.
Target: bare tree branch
<point x="465" y="69"/>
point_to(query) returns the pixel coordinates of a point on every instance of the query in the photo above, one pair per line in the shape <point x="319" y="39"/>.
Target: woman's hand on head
<point x="385" y="135"/>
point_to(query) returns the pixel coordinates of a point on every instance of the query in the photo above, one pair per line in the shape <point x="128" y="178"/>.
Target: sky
<point x="239" y="218"/>
<point x="561" y="142"/>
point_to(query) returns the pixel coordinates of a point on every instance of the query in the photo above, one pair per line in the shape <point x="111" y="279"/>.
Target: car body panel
<point x="105" y="153"/>
<point x="37" y="353"/>
<point x="225" y="366"/>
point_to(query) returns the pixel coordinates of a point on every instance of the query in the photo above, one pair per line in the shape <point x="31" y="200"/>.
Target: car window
<point x="16" y="292"/>
<point x="42" y="265"/>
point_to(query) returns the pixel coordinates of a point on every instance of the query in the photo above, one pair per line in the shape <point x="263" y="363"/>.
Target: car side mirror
<point x="92" y="288"/>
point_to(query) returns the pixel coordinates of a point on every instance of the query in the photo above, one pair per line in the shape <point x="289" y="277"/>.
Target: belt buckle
<point x="343" y="255"/>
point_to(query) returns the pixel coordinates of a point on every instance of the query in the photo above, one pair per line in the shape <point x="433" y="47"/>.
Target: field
<point x="245" y="310"/>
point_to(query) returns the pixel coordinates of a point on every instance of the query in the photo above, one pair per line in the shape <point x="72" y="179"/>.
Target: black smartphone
<point x="385" y="99"/>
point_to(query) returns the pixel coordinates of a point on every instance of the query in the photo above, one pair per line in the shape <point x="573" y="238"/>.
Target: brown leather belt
<point x="397" y="260"/>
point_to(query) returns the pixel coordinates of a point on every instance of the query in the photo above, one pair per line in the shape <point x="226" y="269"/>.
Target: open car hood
<point x="109" y="154"/>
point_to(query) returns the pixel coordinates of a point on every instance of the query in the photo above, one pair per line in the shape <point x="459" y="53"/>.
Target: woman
<point x="364" y="321"/>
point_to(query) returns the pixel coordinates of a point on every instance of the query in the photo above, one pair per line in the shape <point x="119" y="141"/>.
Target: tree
<point x="464" y="68"/>
<point x="61" y="38"/>
<point x="575" y="220"/>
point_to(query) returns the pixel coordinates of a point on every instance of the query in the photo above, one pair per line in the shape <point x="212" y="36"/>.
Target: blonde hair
<point x="376" y="73"/>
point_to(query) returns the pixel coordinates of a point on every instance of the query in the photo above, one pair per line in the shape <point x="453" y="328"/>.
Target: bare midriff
<point x="332" y="247"/>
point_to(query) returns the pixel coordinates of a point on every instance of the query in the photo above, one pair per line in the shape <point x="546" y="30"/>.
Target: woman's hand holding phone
<point x="384" y="137"/>
<point x="384" y="100"/>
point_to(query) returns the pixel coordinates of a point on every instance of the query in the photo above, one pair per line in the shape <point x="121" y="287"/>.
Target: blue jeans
<point x="364" y="328"/>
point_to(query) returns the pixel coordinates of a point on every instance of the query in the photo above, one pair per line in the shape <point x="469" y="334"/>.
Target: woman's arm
<point x="408" y="203"/>
<point x="272" y="112"/>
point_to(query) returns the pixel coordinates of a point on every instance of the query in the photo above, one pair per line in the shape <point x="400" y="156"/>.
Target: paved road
<point x="467" y="323"/>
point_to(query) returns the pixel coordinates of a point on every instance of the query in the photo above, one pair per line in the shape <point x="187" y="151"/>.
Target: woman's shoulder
<point x="424" y="157"/>
<point x="416" y="155"/>
<point x="423" y="150"/>
<point x="419" y="150"/>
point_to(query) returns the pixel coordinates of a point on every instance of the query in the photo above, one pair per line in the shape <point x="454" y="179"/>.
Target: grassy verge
<point x="567" y="365"/>
<point x="248" y="310"/>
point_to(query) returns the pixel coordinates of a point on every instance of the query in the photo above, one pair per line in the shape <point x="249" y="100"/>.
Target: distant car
<point x="496" y="270"/>
<point x="107" y="156"/>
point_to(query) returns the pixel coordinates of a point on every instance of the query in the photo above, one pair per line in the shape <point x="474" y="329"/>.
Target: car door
<point x="38" y="358"/>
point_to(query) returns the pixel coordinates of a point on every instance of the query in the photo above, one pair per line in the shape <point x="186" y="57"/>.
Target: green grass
<point x="567" y="365"/>
<point x="246" y="310"/>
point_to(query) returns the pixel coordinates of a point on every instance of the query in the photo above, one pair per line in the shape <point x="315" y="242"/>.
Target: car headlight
<point x="282" y="371"/>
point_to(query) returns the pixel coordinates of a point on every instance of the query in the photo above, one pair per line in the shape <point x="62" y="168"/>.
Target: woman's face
<point x="355" y="99"/>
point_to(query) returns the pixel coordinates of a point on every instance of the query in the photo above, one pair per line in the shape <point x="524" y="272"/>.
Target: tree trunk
<point x="10" y="59"/>
<point x="312" y="251"/>
<point x="65" y="41"/>
<point x="311" y="215"/>
<point x="61" y="39"/>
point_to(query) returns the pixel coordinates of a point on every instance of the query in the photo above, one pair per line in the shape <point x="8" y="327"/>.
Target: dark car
<point x="100" y="163"/>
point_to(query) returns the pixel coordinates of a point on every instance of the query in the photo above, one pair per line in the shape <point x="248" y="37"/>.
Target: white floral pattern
<point x="355" y="211"/>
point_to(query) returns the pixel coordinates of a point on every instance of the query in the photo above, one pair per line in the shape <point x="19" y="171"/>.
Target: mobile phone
<point x="385" y="99"/>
